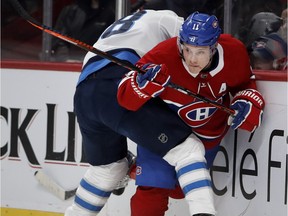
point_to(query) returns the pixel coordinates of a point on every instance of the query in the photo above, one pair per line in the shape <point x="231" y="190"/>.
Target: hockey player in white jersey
<point x="105" y="125"/>
<point x="132" y="36"/>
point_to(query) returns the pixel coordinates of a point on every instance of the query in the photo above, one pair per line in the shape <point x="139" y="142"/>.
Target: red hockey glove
<point x="136" y="89"/>
<point x="249" y="105"/>
<point x="153" y="81"/>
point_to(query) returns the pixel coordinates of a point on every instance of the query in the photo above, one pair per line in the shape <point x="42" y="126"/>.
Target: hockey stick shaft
<point x="113" y="59"/>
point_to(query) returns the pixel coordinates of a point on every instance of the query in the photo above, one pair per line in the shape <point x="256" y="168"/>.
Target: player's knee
<point x="192" y="147"/>
<point x="107" y="176"/>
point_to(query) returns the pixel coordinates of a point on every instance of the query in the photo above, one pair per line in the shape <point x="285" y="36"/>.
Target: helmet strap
<point x="180" y="48"/>
<point x="213" y="49"/>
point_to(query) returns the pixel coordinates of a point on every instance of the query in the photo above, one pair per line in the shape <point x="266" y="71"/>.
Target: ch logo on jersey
<point x="196" y="114"/>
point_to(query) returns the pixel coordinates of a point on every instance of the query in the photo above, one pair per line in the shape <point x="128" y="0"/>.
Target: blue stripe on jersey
<point x="195" y="185"/>
<point x="87" y="205"/>
<point x="191" y="167"/>
<point x="97" y="65"/>
<point x="93" y="189"/>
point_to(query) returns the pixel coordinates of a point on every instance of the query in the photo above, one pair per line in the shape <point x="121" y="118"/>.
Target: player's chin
<point x="195" y="69"/>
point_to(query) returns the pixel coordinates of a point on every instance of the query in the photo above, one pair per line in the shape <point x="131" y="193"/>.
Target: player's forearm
<point x="129" y="97"/>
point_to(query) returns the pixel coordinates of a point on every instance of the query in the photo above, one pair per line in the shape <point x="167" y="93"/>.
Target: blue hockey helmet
<point x="200" y="29"/>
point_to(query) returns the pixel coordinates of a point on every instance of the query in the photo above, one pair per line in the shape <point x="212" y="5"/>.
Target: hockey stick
<point x="113" y="59"/>
<point x="63" y="194"/>
<point x="53" y="187"/>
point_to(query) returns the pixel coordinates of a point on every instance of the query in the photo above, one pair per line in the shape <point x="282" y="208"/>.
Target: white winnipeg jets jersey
<point x="140" y="31"/>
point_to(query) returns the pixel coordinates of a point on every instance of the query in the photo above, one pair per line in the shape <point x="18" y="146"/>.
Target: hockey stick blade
<point x="113" y="59"/>
<point x="53" y="187"/>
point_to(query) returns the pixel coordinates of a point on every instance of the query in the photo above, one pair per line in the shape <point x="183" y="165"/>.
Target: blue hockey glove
<point x="249" y="105"/>
<point x="154" y="80"/>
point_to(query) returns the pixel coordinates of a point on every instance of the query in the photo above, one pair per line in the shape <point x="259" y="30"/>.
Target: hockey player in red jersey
<point x="212" y="65"/>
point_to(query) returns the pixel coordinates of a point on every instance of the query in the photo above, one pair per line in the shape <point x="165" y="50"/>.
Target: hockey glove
<point x="153" y="81"/>
<point x="249" y="105"/>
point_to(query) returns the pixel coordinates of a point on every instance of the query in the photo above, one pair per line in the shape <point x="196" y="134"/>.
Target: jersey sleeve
<point x="128" y="95"/>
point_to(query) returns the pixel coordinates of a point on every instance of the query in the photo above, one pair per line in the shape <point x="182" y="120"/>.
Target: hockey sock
<point x="193" y="175"/>
<point x="96" y="187"/>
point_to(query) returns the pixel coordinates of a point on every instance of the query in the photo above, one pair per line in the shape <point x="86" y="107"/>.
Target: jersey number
<point x="122" y="25"/>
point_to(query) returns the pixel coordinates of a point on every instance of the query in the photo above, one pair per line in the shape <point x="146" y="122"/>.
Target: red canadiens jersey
<point x="231" y="73"/>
